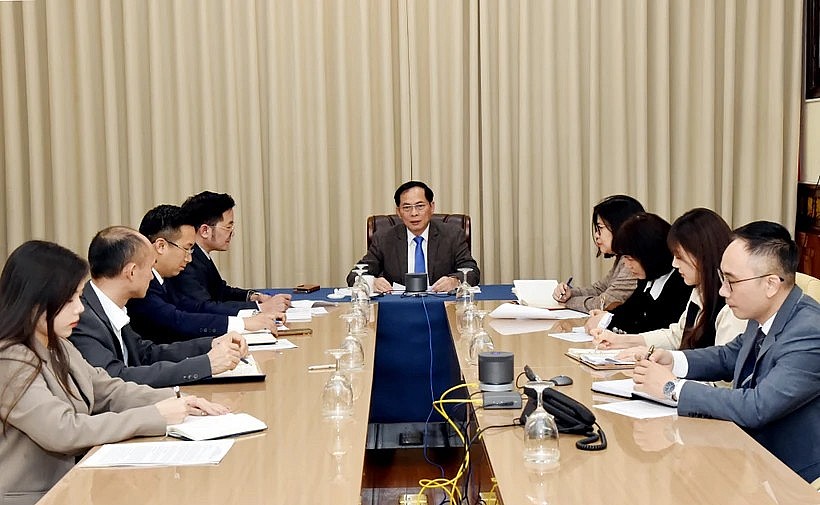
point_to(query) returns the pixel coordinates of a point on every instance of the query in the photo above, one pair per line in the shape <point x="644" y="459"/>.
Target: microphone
<point x="531" y="375"/>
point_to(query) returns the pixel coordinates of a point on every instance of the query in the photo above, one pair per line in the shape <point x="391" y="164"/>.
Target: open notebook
<point x="244" y="372"/>
<point x="601" y="359"/>
<point x="625" y="388"/>
<point x="211" y="427"/>
<point x="537" y="293"/>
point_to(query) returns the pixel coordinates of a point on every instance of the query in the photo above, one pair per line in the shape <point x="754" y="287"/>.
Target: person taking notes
<point x="607" y="217"/>
<point x="53" y="404"/>
<point x="774" y="365"/>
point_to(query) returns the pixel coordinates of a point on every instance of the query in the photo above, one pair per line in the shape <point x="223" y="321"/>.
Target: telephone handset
<point x="570" y="415"/>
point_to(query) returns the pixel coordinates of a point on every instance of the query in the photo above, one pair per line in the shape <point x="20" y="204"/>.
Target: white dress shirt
<point x="411" y="251"/>
<point x="118" y="316"/>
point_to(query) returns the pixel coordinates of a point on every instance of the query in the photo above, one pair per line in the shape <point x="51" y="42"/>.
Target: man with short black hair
<point x="774" y="364"/>
<point x="121" y="259"/>
<point x="200" y="287"/>
<point x="419" y="244"/>
<point x="172" y="235"/>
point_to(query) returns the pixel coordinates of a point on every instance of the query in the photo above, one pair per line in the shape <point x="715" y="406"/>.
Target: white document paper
<point x="573" y="337"/>
<point x="160" y="454"/>
<point x="260" y="337"/>
<point x="537" y="293"/>
<point x="302" y="304"/>
<point x="297" y="315"/>
<point x="211" y="427"/>
<point x="519" y="326"/>
<point x="639" y="409"/>
<point x="515" y="311"/>
<point x="280" y="345"/>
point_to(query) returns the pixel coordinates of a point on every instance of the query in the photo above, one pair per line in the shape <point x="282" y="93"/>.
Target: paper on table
<point x="302" y="304"/>
<point x="518" y="326"/>
<point x="297" y="315"/>
<point x="537" y="293"/>
<point x="159" y="454"/>
<point x="211" y="427"/>
<point x="573" y="336"/>
<point x="639" y="409"/>
<point x="514" y="311"/>
<point x="260" y="337"/>
<point x="280" y="345"/>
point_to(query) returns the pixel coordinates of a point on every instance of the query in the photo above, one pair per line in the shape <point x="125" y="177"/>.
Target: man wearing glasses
<point x="419" y="245"/>
<point x="774" y="365"/>
<point x="173" y="236"/>
<point x="200" y="287"/>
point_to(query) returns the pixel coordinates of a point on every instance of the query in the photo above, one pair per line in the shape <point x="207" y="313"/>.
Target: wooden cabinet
<point x="808" y="228"/>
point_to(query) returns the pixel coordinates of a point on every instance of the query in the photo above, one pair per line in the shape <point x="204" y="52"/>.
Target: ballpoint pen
<point x="650" y="351"/>
<point x="176" y="392"/>
<point x="569" y="285"/>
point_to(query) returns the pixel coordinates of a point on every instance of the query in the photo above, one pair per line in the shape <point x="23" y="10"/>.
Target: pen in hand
<point x="568" y="286"/>
<point x="176" y="392"/>
<point x="651" y="350"/>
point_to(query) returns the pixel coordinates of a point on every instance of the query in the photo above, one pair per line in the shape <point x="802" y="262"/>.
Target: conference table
<point x="667" y="460"/>
<point x="302" y="458"/>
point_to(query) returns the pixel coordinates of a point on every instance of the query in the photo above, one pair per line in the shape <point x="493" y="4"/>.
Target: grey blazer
<point x="48" y="428"/>
<point x="782" y="410"/>
<point x="447" y="251"/>
<point x="156" y="365"/>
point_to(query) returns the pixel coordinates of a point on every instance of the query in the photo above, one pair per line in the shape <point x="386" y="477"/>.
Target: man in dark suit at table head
<point x="200" y="287"/>
<point x="121" y="259"/>
<point x="173" y="236"/>
<point x="774" y="364"/>
<point x="418" y="244"/>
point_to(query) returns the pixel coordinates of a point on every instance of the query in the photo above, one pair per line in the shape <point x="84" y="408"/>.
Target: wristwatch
<point x="669" y="390"/>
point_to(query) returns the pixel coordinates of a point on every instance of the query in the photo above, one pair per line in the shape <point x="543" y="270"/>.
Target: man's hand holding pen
<point x="653" y="371"/>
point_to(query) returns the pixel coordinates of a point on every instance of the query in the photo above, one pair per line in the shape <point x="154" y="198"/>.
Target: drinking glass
<point x="464" y="292"/>
<point x="481" y="341"/>
<point x="354" y="359"/>
<point x="540" y="431"/>
<point x="337" y="395"/>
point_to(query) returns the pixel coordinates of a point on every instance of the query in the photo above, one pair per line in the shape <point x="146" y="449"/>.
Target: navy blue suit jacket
<point x="200" y="288"/>
<point x="782" y="410"/>
<point x="157" y="365"/>
<point x="158" y="316"/>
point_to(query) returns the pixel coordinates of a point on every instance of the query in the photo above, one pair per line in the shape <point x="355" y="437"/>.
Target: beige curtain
<point x="310" y="113"/>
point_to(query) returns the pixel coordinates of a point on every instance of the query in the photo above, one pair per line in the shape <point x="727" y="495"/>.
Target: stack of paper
<point x="211" y="427"/>
<point x="515" y="311"/>
<point x="159" y="454"/>
<point x="537" y="293"/>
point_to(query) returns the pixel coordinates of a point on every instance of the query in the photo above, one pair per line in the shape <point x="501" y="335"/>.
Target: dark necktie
<point x="419" y="266"/>
<point x="745" y="379"/>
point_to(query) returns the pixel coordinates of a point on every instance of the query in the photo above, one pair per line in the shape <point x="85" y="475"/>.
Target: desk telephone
<point x="570" y="415"/>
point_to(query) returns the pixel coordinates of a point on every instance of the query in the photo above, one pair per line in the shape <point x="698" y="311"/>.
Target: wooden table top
<point x="669" y="460"/>
<point x="291" y="462"/>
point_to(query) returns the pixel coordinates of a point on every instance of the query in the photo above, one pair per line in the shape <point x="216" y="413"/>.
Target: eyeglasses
<point x="407" y="209"/>
<point x="188" y="252"/>
<point x="726" y="282"/>
<point x="229" y="229"/>
<point x="597" y="227"/>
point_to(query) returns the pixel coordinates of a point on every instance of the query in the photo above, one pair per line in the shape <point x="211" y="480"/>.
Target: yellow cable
<point x="450" y="486"/>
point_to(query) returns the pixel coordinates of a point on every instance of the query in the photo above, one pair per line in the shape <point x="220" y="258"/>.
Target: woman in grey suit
<point x="53" y="404"/>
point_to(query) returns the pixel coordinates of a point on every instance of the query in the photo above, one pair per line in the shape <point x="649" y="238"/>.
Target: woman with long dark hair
<point x="53" y="404"/>
<point x="607" y="217"/>
<point x="697" y="240"/>
<point x="661" y="292"/>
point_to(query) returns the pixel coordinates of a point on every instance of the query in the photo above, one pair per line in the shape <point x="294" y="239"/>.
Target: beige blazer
<point x="615" y="287"/>
<point x="47" y="428"/>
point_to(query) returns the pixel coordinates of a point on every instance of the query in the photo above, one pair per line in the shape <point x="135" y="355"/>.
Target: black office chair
<point x="384" y="221"/>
